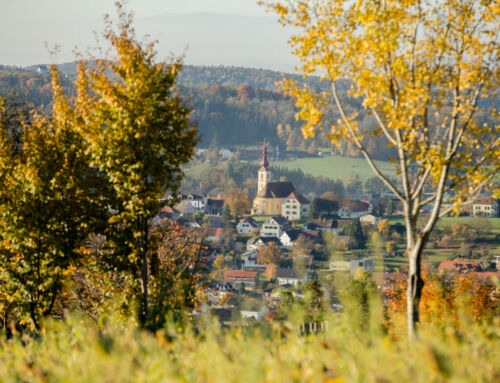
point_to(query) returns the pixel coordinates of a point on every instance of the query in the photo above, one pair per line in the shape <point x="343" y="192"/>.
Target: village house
<point x="213" y="205"/>
<point x="250" y="260"/>
<point x="246" y="225"/>
<point x="370" y="219"/>
<point x="256" y="310"/>
<point x="323" y="225"/>
<point x="295" y="207"/>
<point x="365" y="264"/>
<point x="290" y="277"/>
<point x="241" y="277"/>
<point x="256" y="242"/>
<point x="212" y="235"/>
<point x="354" y="209"/>
<point x="290" y="236"/>
<point x="274" y="226"/>
<point x="459" y="265"/>
<point x="485" y="207"/>
<point x="339" y="265"/>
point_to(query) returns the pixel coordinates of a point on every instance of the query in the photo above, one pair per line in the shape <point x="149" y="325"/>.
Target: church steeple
<point x="264" y="173"/>
<point x="264" y="162"/>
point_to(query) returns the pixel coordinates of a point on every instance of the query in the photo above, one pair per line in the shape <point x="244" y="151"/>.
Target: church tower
<point x="264" y="172"/>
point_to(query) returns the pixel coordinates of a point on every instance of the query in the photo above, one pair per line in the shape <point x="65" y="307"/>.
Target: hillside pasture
<point x="338" y="167"/>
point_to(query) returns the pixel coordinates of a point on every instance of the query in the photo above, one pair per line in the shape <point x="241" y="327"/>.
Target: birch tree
<point x="421" y="68"/>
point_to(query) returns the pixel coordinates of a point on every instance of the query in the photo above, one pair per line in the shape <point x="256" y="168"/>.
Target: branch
<point x="469" y="198"/>
<point x="360" y="146"/>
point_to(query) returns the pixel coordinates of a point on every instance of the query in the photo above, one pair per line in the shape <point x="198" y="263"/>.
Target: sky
<point x="209" y="32"/>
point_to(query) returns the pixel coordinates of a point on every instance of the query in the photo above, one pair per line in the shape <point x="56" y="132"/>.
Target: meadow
<point x="347" y="351"/>
<point x="338" y="167"/>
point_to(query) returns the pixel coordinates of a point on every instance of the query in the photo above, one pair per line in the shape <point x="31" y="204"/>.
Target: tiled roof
<point x="355" y="205"/>
<point x="240" y="274"/>
<point x="484" y="201"/>
<point x="459" y="265"/>
<point x="276" y="189"/>
<point x="299" y="197"/>
<point x="286" y="273"/>
<point x="488" y="276"/>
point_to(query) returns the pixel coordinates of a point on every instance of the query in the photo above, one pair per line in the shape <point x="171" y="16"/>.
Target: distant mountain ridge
<point x="230" y="76"/>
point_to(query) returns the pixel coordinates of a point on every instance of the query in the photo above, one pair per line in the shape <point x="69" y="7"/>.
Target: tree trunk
<point x="143" y="317"/>
<point x="414" y="290"/>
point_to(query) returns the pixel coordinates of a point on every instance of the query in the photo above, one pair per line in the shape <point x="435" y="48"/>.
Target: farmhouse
<point x="485" y="207"/>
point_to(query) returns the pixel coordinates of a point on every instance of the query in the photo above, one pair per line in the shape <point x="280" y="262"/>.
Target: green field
<point x="338" y="167"/>
<point x="450" y="221"/>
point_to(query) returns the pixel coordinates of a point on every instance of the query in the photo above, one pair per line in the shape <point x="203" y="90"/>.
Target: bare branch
<point x="360" y="146"/>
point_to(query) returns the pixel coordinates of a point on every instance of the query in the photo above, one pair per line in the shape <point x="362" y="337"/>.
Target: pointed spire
<point x="264" y="162"/>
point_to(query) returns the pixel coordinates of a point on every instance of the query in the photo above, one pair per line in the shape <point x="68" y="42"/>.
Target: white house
<point x="246" y="225"/>
<point x="273" y="227"/>
<point x="256" y="242"/>
<point x="354" y="209"/>
<point x="370" y="219"/>
<point x="485" y="207"/>
<point x="250" y="260"/>
<point x="295" y="206"/>
<point x="340" y="265"/>
<point x="290" y="277"/>
<point x="256" y="313"/>
<point x="227" y="152"/>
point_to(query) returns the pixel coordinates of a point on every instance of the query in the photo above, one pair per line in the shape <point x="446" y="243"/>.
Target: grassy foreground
<point x="74" y="351"/>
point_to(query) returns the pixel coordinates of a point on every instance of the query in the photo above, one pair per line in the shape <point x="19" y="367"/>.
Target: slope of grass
<point x="348" y="351"/>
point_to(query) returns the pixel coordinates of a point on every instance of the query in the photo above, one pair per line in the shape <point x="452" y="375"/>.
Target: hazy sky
<point x="209" y="28"/>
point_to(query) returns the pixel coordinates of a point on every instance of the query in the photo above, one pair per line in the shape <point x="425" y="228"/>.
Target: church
<point x="277" y="198"/>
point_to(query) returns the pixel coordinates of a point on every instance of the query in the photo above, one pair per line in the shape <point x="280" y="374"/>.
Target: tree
<point x="138" y="134"/>
<point x="390" y="247"/>
<point x="226" y="215"/>
<point x="238" y="201"/>
<point x="269" y="253"/>
<point x="384" y="228"/>
<point x="314" y="209"/>
<point x="355" y="233"/>
<point x="219" y="266"/>
<point x="271" y="271"/>
<point x="303" y="246"/>
<point x="375" y="185"/>
<point x="461" y="232"/>
<point x="50" y="200"/>
<point x="420" y="68"/>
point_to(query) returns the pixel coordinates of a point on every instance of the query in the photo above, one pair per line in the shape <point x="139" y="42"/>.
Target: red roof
<point x="313" y="233"/>
<point x="240" y="274"/>
<point x="484" y="201"/>
<point x="488" y="275"/>
<point x="461" y="266"/>
<point x="168" y="210"/>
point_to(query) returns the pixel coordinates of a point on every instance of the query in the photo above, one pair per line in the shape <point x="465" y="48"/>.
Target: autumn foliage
<point x="447" y="298"/>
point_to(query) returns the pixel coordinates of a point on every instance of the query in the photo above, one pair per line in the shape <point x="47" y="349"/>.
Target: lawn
<point x="338" y="167"/>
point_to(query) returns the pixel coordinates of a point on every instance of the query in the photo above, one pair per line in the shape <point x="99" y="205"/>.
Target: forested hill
<point x="232" y="105"/>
